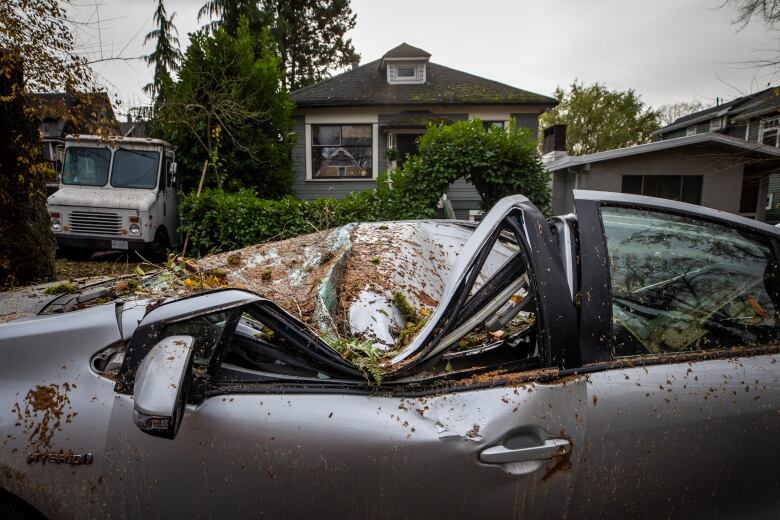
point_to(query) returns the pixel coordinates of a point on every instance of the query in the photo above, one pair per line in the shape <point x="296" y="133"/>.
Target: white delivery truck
<point x="116" y="193"/>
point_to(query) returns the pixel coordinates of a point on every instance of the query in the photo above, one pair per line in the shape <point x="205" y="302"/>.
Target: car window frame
<point x="555" y="310"/>
<point x="148" y="332"/>
<point x="595" y="295"/>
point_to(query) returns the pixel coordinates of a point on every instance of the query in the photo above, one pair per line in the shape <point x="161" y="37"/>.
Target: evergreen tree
<point x="225" y="14"/>
<point x="311" y="36"/>
<point x="600" y="119"/>
<point x="228" y="107"/>
<point x="166" y="55"/>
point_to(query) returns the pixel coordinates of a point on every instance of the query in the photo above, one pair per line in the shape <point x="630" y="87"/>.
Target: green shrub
<point x="220" y="221"/>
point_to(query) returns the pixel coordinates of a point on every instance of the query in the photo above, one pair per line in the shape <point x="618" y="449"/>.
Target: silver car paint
<point x="691" y="438"/>
<point x="308" y="455"/>
<point x="51" y="400"/>
<point x="637" y="447"/>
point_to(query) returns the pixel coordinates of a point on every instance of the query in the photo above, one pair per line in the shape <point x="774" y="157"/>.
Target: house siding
<point x="680" y="132"/>
<point x="462" y="194"/>
<point x="773" y="214"/>
<point x="530" y="121"/>
<point x="562" y="186"/>
<point x="722" y="182"/>
<point x="737" y="131"/>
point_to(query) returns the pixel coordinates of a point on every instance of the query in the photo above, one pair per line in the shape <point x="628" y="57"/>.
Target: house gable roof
<point x="738" y="108"/>
<point x="367" y="85"/>
<point x="64" y="113"/>
<point x="573" y="161"/>
<point x="406" y="51"/>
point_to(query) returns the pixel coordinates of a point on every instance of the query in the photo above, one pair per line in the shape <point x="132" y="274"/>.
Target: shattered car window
<point x="255" y="348"/>
<point x="683" y="284"/>
<point x="206" y="331"/>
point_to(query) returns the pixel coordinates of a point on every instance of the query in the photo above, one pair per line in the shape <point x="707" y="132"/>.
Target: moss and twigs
<point x="363" y="354"/>
<point x="61" y="288"/>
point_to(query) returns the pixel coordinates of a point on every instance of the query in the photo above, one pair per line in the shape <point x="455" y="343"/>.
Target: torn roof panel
<point x="343" y="282"/>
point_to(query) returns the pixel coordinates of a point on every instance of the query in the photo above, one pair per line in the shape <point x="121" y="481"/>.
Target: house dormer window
<point x="405" y="65"/>
<point x="405" y="73"/>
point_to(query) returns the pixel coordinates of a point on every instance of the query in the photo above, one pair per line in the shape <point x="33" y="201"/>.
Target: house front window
<point x="341" y="151"/>
<point x="493" y="124"/>
<point x="769" y="131"/>
<point x="685" y="188"/>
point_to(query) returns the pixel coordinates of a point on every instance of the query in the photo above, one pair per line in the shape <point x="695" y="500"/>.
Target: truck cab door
<point x="171" y="200"/>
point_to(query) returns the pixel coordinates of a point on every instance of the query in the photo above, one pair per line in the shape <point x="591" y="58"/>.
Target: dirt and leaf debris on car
<point x="367" y="289"/>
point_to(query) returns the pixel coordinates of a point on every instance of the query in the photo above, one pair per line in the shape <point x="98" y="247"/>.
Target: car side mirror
<point x="160" y="390"/>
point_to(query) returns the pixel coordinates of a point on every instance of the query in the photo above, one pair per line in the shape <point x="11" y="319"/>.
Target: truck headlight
<point x="56" y="225"/>
<point x="135" y="229"/>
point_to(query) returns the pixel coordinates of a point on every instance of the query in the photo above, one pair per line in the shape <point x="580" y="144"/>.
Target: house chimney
<point x="355" y="63"/>
<point x="554" y="139"/>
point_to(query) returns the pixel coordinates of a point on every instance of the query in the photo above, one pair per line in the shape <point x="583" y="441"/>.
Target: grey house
<point x="346" y="124"/>
<point x="754" y="118"/>
<point x="710" y="169"/>
<point x="60" y="114"/>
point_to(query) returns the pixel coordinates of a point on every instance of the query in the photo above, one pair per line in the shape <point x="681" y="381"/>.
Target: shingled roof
<point x="406" y="51"/>
<point x="738" y="109"/>
<point x="367" y="85"/>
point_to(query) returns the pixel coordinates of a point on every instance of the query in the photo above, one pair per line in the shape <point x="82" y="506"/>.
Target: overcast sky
<point x="667" y="50"/>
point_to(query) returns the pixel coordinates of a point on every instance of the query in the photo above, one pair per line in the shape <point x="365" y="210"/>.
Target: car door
<point x="294" y="435"/>
<point x="680" y="310"/>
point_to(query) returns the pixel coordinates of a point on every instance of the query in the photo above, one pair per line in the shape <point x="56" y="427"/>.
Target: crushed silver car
<point x="621" y="359"/>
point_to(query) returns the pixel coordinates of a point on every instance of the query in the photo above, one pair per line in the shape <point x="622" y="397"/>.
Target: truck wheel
<point x="74" y="253"/>
<point x="158" y="250"/>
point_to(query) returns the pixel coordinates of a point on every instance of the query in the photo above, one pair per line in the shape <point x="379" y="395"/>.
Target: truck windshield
<point x="134" y="169"/>
<point x="86" y="166"/>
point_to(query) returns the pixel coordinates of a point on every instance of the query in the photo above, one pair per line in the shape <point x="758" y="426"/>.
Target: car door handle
<point x="551" y="448"/>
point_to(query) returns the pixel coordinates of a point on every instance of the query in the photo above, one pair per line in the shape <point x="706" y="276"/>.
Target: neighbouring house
<point x="137" y="121"/>
<point x="710" y="169"/>
<point x="754" y="118"/>
<point x="365" y="121"/>
<point x="61" y="114"/>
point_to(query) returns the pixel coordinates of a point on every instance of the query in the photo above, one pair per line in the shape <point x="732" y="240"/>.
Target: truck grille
<point x="95" y="223"/>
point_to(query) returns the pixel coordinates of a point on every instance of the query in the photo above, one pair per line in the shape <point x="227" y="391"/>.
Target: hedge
<point x="220" y="221"/>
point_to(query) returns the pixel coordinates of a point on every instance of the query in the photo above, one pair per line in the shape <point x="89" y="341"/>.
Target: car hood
<point x="119" y="198"/>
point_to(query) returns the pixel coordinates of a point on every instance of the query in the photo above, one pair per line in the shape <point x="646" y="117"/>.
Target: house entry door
<point x="406" y="144"/>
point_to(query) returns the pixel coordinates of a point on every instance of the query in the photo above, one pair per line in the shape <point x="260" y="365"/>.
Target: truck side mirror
<point x="161" y="385"/>
<point x="172" y="172"/>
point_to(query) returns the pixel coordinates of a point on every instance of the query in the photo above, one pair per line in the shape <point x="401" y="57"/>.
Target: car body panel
<point x="675" y="434"/>
<point x="695" y="434"/>
<point x="53" y="403"/>
<point x="293" y="455"/>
